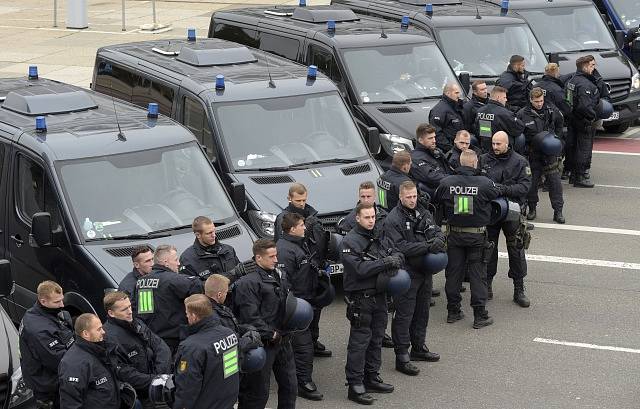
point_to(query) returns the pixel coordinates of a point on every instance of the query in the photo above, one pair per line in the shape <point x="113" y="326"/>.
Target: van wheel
<point x="619" y="128"/>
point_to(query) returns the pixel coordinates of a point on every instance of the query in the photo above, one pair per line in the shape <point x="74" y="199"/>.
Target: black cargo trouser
<point x="547" y="166"/>
<point x="368" y="318"/>
<point x="517" y="261"/>
<point x="315" y="324"/>
<point x="465" y="252"/>
<point x="302" y="344"/>
<point x="579" y="145"/>
<point x="254" y="386"/>
<point x="411" y="317"/>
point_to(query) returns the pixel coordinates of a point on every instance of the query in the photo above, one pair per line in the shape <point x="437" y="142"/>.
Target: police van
<point x="266" y="122"/>
<point x="391" y="75"/>
<point x="623" y="19"/>
<point x="85" y="179"/>
<point x="477" y="39"/>
<point x="570" y="29"/>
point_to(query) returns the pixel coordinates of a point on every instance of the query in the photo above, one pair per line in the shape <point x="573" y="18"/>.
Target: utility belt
<point x="362" y="294"/>
<point x="354" y="304"/>
<point x="458" y="229"/>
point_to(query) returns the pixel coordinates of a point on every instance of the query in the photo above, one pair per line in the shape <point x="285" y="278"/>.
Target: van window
<point x="325" y="63"/>
<point x="240" y="35"/>
<point x="146" y="90"/>
<point x="114" y="80"/>
<point x="282" y="46"/>
<point x="194" y="117"/>
<point x="33" y="191"/>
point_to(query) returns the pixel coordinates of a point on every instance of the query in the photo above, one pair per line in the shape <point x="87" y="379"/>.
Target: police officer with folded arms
<point x="479" y="98"/>
<point x="389" y="182"/>
<point x="515" y="79"/>
<point x="207" y="367"/>
<point x="461" y="143"/>
<point x="538" y="117"/>
<point x="495" y="117"/>
<point x="512" y="171"/>
<point x="410" y="226"/>
<point x="466" y="198"/>
<point x="447" y="116"/>
<point x="259" y="300"/>
<point x="365" y="257"/>
<point x="428" y="164"/>
<point x="46" y="333"/>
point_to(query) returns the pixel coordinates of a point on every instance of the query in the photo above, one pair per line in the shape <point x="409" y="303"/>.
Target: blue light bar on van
<point x="429" y="9"/>
<point x="33" y="72"/>
<point x="152" y="110"/>
<point x="312" y="72"/>
<point x="331" y="26"/>
<point x="302" y="3"/>
<point x="219" y="82"/>
<point x="504" y="7"/>
<point x="41" y="124"/>
<point x="405" y="22"/>
<point x="191" y="34"/>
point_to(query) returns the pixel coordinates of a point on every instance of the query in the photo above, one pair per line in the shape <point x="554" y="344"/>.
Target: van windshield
<point x="136" y="193"/>
<point x="628" y="11"/>
<point x="283" y="132"/>
<point x="562" y="29"/>
<point x="398" y="73"/>
<point x="486" y="50"/>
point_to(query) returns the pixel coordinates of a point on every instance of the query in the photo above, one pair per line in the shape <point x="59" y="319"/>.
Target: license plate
<point x="336" y="268"/>
<point x="613" y="117"/>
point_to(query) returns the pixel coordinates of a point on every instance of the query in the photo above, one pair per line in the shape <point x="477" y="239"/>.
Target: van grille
<point x="126" y="251"/>
<point x="330" y="221"/>
<point x="224" y="234"/>
<point x="619" y="88"/>
<point x="354" y="170"/>
<point x="395" y="110"/>
<point x="272" y="180"/>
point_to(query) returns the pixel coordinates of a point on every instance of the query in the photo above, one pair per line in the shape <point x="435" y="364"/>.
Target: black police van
<point x="265" y="121"/>
<point x="476" y="39"/>
<point x="570" y="29"/>
<point x="391" y="75"/>
<point x="623" y="19"/>
<point x="85" y="179"/>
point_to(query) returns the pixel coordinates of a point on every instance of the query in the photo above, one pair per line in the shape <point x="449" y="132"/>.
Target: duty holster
<point x="353" y="310"/>
<point x="487" y="251"/>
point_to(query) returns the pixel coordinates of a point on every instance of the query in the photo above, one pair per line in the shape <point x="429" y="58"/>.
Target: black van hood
<point x="610" y="64"/>
<point x="332" y="188"/>
<point x="399" y="119"/>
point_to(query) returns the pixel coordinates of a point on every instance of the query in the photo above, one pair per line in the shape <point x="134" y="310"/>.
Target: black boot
<point x="358" y="394"/>
<point x="519" y="297"/>
<point x="490" y="291"/>
<point x="387" y="342"/>
<point x="309" y="391"/>
<point x="405" y="366"/>
<point x="454" y="315"/>
<point x="583" y="181"/>
<point x="481" y="318"/>
<point x="565" y="174"/>
<point x="435" y="292"/>
<point x="375" y="384"/>
<point x="422" y="353"/>
<point x="320" y="350"/>
<point x="531" y="215"/>
<point x="558" y="217"/>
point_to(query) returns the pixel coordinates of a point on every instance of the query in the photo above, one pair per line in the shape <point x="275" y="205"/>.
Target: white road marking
<point x="577" y="261"/>
<point x="74" y="30"/>
<point x="583" y="345"/>
<point x="617" y="153"/>
<point x="619" y="187"/>
<point x="591" y="229"/>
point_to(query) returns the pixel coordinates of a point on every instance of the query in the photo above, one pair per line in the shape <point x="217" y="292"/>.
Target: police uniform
<point x="409" y="230"/>
<point x="428" y="168"/>
<point x="554" y="92"/>
<point x="128" y="286"/>
<point x="88" y="376"/>
<point x="227" y="317"/>
<point x="446" y="117"/>
<point x="201" y="261"/>
<point x="45" y="335"/>
<point x="512" y="171"/>
<point x="470" y="109"/>
<point x="160" y="302"/>
<point x="494" y="117"/>
<point x="349" y="221"/>
<point x="389" y="187"/>
<point x="259" y="300"/>
<point x="207" y="367"/>
<point x="535" y="121"/>
<point x="517" y="86"/>
<point x="453" y="156"/>
<point x="466" y="198"/>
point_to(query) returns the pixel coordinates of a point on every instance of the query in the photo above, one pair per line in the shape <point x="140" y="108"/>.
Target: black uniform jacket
<point x="511" y="170"/>
<point x="517" y="86"/>
<point x="201" y="261"/>
<point x="428" y="167"/>
<point x="349" y="221"/>
<point x="494" y="117"/>
<point x="470" y="109"/>
<point x="447" y="117"/>
<point x="389" y="184"/>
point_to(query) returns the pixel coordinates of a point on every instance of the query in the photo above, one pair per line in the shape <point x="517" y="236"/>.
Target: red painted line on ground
<point x="617" y="145"/>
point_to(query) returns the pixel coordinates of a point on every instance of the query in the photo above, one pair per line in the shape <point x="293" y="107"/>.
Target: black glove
<point x="436" y="245"/>
<point x="502" y="189"/>
<point x="392" y="264"/>
<point x="250" y="340"/>
<point x="243" y="269"/>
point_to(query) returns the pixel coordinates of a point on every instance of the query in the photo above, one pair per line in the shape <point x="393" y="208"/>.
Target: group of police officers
<point x="204" y="330"/>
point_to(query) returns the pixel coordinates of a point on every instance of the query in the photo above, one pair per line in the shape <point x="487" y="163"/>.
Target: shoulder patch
<point x="73" y="379"/>
<point x="346" y="250"/>
<point x="182" y="367"/>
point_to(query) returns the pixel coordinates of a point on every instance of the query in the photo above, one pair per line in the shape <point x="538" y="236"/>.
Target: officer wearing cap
<point x="365" y="257"/>
<point x="447" y="117"/>
<point x="537" y="117"/>
<point x="207" y="255"/>
<point x="479" y="98"/>
<point x="512" y="171"/>
<point x="461" y="143"/>
<point x="553" y="86"/>
<point x="161" y="293"/>
<point x="494" y="117"/>
<point x="410" y="226"/>
<point x="207" y="369"/>
<point x="46" y="333"/>
<point x="259" y="300"/>
<point x="516" y="81"/>
<point x="466" y="197"/>
<point x="428" y="164"/>
<point x="389" y="182"/>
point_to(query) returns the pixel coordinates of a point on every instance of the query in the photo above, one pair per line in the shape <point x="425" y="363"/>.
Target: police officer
<point x="364" y="257"/>
<point x="583" y="94"/>
<point x="207" y="369"/>
<point x="317" y="239"/>
<point x="510" y="169"/>
<point x="46" y="333"/>
<point x="411" y="228"/>
<point x="447" y="117"/>
<point x="161" y="293"/>
<point x="389" y="182"/>
<point x="428" y="164"/>
<point x="366" y="194"/>
<point x="516" y="81"/>
<point x="460" y="144"/>
<point x="207" y="255"/>
<point x="494" y="117"/>
<point x="537" y="117"/>
<point x="142" y="258"/>
<point x="216" y="288"/>
<point x="148" y="355"/>
<point x="479" y="98"/>
<point x="88" y="372"/>
<point x="466" y="197"/>
<point x="553" y="87"/>
<point x="259" y="300"/>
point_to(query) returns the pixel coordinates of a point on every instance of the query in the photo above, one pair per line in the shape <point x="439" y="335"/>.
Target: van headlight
<point x="635" y="82"/>
<point x="393" y="144"/>
<point x="19" y="391"/>
<point x="263" y="222"/>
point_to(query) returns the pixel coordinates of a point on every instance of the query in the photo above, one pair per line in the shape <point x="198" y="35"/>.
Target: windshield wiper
<point x="595" y="49"/>
<point x="144" y="236"/>
<point x="418" y="99"/>
<point x="318" y="162"/>
<point x="390" y="102"/>
<point x="273" y="169"/>
<point x="483" y="76"/>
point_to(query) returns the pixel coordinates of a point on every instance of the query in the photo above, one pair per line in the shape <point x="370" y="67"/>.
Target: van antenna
<point x="266" y="59"/>
<point x="121" y="136"/>
<point x="477" y="11"/>
<point x="382" y="33"/>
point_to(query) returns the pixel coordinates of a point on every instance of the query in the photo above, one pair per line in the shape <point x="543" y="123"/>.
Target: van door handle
<point x="18" y="240"/>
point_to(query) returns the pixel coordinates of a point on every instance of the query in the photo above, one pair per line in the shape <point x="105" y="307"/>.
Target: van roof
<point x="539" y="4"/>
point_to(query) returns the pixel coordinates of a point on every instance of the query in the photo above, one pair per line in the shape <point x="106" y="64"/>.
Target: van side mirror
<point x="239" y="197"/>
<point x="620" y="37"/>
<point x="465" y="81"/>
<point x="6" y="279"/>
<point x="373" y="139"/>
<point x="41" y="233"/>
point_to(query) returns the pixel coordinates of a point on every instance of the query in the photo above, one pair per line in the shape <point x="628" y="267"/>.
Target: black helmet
<point x="298" y="314"/>
<point x="394" y="286"/>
